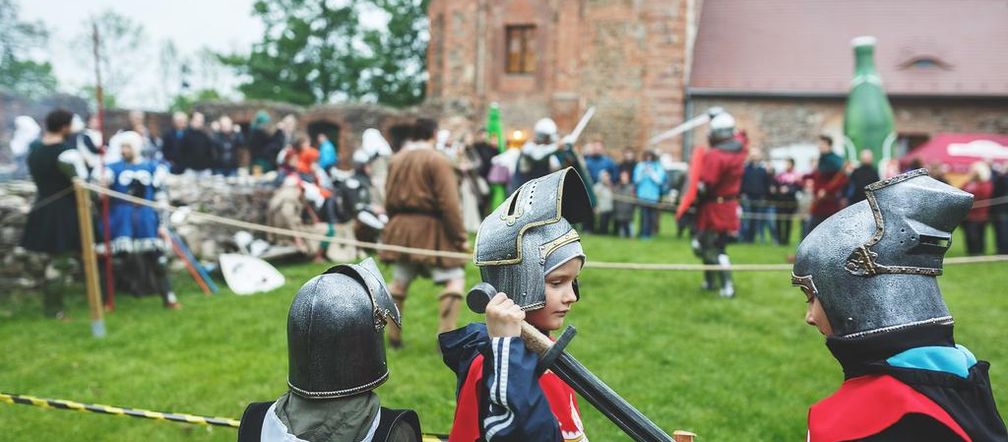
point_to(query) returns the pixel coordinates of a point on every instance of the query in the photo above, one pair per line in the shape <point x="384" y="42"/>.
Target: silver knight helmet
<point x="335" y="332"/>
<point x="530" y="234"/>
<point x="873" y="265"/>
<point x="722" y="126"/>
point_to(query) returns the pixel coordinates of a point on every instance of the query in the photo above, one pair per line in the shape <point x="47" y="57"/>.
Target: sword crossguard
<point x="547" y="359"/>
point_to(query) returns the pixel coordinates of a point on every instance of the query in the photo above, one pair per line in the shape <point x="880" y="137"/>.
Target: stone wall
<point x="236" y="198"/>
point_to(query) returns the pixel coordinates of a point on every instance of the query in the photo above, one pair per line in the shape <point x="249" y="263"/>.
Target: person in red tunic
<point x="869" y="275"/>
<point x="828" y="183"/>
<point x="529" y="251"/>
<point x="717" y="199"/>
<point x="975" y="224"/>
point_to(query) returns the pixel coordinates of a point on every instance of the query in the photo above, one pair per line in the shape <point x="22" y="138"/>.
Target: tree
<point x="19" y="72"/>
<point x="314" y="52"/>
<point x="121" y="49"/>
<point x="397" y="71"/>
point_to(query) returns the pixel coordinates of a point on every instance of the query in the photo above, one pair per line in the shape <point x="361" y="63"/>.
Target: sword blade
<point x="582" y="124"/>
<point x="634" y="423"/>
<point x="689" y="124"/>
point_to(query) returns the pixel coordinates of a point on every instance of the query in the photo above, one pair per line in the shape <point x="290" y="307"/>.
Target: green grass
<point x="729" y="370"/>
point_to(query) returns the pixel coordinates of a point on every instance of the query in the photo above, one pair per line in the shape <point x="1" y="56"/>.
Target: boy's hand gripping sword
<point x="553" y="357"/>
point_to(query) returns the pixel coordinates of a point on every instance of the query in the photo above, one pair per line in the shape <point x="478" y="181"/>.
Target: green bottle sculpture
<point x="868" y="118"/>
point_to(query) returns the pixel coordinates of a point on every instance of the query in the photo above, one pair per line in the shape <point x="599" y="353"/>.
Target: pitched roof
<point x="785" y="47"/>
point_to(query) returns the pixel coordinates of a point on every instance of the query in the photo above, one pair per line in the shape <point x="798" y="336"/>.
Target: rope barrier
<point x="117" y="411"/>
<point x="427" y="252"/>
<point x="800" y="215"/>
<point x="277" y="230"/>
<point x="62" y="404"/>
<point x="50" y="199"/>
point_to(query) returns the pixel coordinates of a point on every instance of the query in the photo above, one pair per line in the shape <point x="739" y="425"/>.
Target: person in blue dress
<point x="134" y="228"/>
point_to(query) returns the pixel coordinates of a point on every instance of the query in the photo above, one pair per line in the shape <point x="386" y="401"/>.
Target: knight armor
<point x="531" y="234"/>
<point x="335" y="328"/>
<point x="873" y="265"/>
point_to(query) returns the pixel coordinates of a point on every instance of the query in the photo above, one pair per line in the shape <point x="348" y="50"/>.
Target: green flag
<point x="493" y="126"/>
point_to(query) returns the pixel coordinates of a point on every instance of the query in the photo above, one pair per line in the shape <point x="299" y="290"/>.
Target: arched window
<point x="925" y="62"/>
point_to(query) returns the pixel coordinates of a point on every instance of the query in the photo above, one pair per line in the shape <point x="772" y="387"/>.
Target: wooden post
<point x="683" y="436"/>
<point x="89" y="258"/>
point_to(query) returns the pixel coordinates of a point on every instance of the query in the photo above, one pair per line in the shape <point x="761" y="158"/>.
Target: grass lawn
<point x="729" y="370"/>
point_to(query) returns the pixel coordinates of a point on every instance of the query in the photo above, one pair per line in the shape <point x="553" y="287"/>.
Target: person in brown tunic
<point x="422" y="203"/>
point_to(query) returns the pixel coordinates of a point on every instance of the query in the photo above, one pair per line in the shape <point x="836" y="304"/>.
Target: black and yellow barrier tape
<point x="61" y="404"/>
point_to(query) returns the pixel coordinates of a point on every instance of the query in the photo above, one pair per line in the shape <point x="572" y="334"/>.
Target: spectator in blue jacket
<point x="327" y="152"/>
<point x="597" y="159"/>
<point x="649" y="177"/>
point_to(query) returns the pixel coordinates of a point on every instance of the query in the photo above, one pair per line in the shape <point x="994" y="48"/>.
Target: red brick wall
<point x="625" y="57"/>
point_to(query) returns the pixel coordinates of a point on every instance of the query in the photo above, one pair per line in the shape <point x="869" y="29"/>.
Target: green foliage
<point x="312" y="52"/>
<point x="19" y="72"/>
<point x="396" y="72"/>
<point x="744" y="369"/>
<point x="184" y="102"/>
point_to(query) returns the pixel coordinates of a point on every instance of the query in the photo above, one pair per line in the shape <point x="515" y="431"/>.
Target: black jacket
<point x="197" y="151"/>
<point x="226" y="146"/>
<point x="859" y="178"/>
<point x="968" y="401"/>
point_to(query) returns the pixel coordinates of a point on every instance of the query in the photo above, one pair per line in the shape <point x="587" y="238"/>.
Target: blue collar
<point x="953" y="360"/>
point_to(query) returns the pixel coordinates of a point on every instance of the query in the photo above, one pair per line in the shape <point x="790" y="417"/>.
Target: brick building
<point x="556" y="58"/>
<point x="782" y="67"/>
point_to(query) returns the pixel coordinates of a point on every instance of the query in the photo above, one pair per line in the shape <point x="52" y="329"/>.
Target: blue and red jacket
<point x="500" y="396"/>
<point x="913" y="384"/>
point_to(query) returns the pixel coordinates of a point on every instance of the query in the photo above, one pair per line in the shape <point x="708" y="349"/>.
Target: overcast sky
<point x="222" y="25"/>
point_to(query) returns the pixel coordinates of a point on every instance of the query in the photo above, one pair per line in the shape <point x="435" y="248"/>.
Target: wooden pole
<point x="106" y="226"/>
<point x="90" y="261"/>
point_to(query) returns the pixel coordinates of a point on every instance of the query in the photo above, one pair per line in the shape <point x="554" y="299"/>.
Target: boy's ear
<point x="577" y="289"/>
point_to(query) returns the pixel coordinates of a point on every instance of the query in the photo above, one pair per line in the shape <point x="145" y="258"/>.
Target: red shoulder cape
<point x="867" y="405"/>
<point x="689" y="196"/>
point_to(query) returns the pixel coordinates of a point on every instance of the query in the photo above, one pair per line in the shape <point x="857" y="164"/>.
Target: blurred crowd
<point x="772" y="200"/>
<point x="629" y="189"/>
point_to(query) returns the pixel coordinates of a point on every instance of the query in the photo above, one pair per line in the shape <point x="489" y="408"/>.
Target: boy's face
<point x="560" y="297"/>
<point x="816" y="316"/>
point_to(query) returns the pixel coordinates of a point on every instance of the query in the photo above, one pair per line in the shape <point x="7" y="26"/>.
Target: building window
<point x="520" y="54"/>
<point x="925" y="63"/>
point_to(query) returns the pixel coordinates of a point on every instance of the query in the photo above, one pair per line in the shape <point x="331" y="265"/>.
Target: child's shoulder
<point x="463" y="344"/>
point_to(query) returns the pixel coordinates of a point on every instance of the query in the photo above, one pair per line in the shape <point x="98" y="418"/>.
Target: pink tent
<point x="958" y="150"/>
